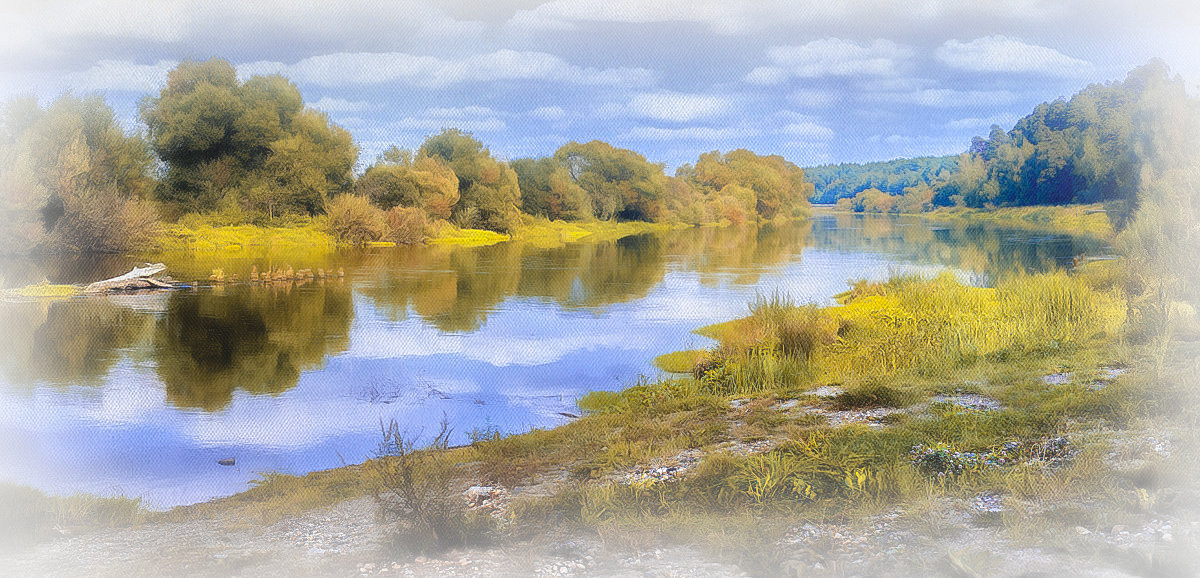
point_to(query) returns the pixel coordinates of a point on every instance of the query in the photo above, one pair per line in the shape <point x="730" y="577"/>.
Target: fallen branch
<point x="137" y="278"/>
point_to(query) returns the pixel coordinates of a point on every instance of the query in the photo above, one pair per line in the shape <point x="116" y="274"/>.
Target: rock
<point x="1082" y="531"/>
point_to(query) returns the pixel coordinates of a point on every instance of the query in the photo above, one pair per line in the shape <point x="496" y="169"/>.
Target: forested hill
<point x="1081" y="150"/>
<point x="843" y="180"/>
<point x="1088" y="149"/>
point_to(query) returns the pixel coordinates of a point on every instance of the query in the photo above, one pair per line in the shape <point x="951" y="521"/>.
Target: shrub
<point x="875" y="394"/>
<point x="406" y="225"/>
<point x="353" y="219"/>
<point x="104" y="224"/>
<point x="421" y="489"/>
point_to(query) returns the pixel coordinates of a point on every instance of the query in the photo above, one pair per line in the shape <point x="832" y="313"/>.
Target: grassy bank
<point x="908" y="389"/>
<point x="197" y="235"/>
<point x="1093" y="219"/>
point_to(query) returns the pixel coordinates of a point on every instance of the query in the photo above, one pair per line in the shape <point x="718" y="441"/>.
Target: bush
<point x="406" y="225"/>
<point x="353" y="219"/>
<point x="421" y="489"/>
<point x="104" y="224"/>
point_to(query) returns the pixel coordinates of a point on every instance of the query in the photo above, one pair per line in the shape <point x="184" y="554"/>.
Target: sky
<point x="813" y="81"/>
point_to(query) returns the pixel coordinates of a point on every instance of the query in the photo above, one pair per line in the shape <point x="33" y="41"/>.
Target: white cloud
<point x="1004" y="120"/>
<point x="732" y="18"/>
<point x="766" y="75"/>
<point x="677" y="106"/>
<point x="328" y="104"/>
<point x="808" y="130"/>
<point x="700" y="133"/>
<point x="837" y="57"/>
<point x="720" y="16"/>
<point x="120" y="75"/>
<point x="1004" y="54"/>
<point x="548" y="113"/>
<point x="945" y="97"/>
<point x="811" y="98"/>
<point x="468" y="118"/>
<point x="365" y="68"/>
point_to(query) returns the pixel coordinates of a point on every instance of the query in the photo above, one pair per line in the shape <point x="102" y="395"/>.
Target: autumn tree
<point x="778" y="187"/>
<point x="487" y="188"/>
<point x="250" y="145"/>
<point x="399" y="179"/>
<point x="548" y="190"/>
<point x="72" y="179"/>
<point x="620" y="183"/>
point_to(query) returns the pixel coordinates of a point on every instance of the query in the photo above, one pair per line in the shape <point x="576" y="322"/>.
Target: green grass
<point x="28" y="515"/>
<point x="888" y="345"/>
<point x="680" y="361"/>
<point x="46" y="290"/>
<point x="1090" y="220"/>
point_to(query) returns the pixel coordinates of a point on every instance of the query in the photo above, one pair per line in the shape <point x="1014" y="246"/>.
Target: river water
<point x="141" y="395"/>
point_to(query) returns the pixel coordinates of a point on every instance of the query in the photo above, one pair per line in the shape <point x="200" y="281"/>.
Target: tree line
<point x="1086" y="149"/>
<point x="250" y="151"/>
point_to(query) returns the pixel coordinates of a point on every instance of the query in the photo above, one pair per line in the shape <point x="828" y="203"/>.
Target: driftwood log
<point x="137" y="278"/>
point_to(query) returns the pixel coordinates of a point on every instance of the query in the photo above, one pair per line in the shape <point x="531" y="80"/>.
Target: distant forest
<point x="1087" y="149"/>
<point x="843" y="180"/>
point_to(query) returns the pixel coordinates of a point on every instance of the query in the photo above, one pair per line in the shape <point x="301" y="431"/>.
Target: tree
<point x="548" y="190"/>
<point x="250" y="144"/>
<point x="488" y="189"/>
<point x="71" y="179"/>
<point x="778" y="187"/>
<point x="621" y="183"/>
<point x="399" y="180"/>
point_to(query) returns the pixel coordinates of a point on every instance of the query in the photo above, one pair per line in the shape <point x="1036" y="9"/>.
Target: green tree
<point x="251" y="144"/>
<point x="547" y="190"/>
<point x="72" y="179"/>
<point x="621" y="183"/>
<point x="488" y="189"/>
<point x="398" y="179"/>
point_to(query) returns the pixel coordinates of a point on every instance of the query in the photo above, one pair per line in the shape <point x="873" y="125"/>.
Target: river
<point x="142" y="395"/>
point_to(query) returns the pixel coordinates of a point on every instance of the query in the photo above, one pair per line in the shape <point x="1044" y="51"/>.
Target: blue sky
<point x="813" y="81"/>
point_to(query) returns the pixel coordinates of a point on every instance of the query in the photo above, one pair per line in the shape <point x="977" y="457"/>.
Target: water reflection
<point x="259" y="339"/>
<point x="296" y="377"/>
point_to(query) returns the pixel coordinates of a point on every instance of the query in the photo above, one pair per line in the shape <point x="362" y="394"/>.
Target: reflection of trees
<point x="746" y="251"/>
<point x="67" y="342"/>
<point x="454" y="289"/>
<point x="257" y="339"/>
<point x="976" y="247"/>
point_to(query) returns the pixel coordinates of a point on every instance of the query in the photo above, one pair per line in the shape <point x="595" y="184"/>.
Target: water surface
<point x="141" y="395"/>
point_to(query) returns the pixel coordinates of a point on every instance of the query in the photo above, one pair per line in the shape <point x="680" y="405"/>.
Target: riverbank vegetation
<point x="231" y="154"/>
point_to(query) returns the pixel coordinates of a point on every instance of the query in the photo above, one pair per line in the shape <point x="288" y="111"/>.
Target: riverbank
<point x="889" y="432"/>
<point x="1095" y="220"/>
<point x="310" y="235"/>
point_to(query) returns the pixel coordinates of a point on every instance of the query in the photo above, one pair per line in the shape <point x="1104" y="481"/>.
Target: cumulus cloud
<point x="677" y="106"/>
<point x="812" y="98"/>
<point x="720" y="16"/>
<point x="831" y="57"/>
<point x="1004" y="54"/>
<point x="468" y="118"/>
<point x="697" y="133"/>
<point x="328" y="104"/>
<point x="366" y="68"/>
<point x="548" y="113"/>
<point x="1004" y="120"/>
<point x="807" y="130"/>
<point x="944" y="97"/>
<point x="119" y="75"/>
